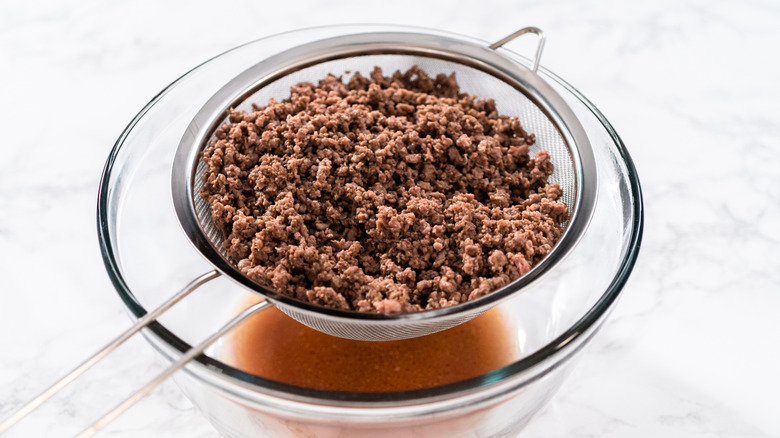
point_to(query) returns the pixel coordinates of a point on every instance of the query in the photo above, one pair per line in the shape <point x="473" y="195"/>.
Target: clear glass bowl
<point x="148" y="258"/>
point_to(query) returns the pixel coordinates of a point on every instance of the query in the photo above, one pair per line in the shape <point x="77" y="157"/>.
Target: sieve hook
<point x="523" y="31"/>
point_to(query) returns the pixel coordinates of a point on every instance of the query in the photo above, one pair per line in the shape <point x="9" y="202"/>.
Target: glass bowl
<point x="148" y="258"/>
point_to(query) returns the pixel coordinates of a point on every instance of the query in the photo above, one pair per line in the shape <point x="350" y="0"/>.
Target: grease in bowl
<point x="276" y="347"/>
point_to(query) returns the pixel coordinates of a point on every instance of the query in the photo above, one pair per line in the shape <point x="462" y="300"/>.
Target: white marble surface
<point x="692" y="350"/>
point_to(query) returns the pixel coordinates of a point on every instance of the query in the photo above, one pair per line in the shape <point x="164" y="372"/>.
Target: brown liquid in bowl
<point x="274" y="346"/>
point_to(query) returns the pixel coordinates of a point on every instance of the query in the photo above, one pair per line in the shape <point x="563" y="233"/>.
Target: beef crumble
<point x="384" y="194"/>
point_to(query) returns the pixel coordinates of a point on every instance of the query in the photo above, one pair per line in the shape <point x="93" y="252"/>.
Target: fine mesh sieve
<point x="480" y="70"/>
<point x="485" y="71"/>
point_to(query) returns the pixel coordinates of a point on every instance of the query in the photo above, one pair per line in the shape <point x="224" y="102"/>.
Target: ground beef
<point x="385" y="194"/>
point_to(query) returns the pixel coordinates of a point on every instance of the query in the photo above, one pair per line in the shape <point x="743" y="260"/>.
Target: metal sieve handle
<point x="111" y="346"/>
<point x="523" y="31"/>
<point x="176" y="366"/>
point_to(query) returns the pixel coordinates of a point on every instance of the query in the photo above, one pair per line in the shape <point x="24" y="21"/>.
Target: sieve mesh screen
<point x="511" y="100"/>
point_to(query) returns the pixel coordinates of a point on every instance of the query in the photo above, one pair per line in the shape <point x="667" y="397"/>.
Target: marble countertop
<point x="693" y="348"/>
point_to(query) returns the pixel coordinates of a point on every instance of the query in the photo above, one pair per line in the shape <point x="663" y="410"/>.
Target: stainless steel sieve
<point x="485" y="71"/>
<point x="482" y="71"/>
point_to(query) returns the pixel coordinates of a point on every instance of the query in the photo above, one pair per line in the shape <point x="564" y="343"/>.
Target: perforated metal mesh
<point x="509" y="101"/>
<point x="377" y="331"/>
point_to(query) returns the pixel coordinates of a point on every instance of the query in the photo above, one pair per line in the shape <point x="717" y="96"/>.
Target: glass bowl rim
<point x="577" y="332"/>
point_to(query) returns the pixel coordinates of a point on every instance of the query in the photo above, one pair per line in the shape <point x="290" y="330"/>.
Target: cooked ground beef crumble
<point x="385" y="194"/>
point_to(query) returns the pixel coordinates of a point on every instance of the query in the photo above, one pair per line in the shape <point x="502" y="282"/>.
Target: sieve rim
<point x="482" y="57"/>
